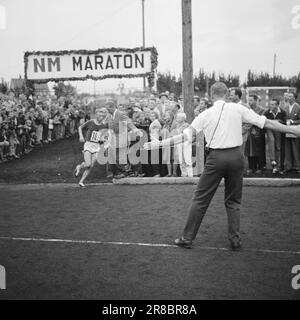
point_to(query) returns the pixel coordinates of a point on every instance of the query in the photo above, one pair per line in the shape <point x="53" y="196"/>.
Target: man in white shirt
<point x="222" y="127"/>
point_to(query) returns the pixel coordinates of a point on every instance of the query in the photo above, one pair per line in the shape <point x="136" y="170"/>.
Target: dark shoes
<point x="187" y="244"/>
<point x="120" y="176"/>
<point x="236" y="245"/>
<point x="183" y="243"/>
<point x="285" y="171"/>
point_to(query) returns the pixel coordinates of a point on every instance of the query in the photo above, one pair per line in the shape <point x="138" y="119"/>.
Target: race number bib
<point x="96" y="136"/>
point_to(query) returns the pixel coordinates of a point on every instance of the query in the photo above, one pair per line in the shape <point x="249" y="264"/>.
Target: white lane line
<point x="139" y="244"/>
<point x="32" y="186"/>
<point x="91" y="242"/>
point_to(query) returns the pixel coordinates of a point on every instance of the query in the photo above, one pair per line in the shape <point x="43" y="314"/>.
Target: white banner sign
<point x="82" y="64"/>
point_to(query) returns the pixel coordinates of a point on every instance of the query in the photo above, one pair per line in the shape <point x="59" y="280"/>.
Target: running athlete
<point x="95" y="136"/>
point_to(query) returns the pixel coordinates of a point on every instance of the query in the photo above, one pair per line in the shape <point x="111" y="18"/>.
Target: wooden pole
<point x="207" y="85"/>
<point x="188" y="79"/>
<point x="274" y="65"/>
<point x="187" y="52"/>
<point x="144" y="38"/>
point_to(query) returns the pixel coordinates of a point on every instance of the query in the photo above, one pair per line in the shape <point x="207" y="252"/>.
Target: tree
<point x="295" y="82"/>
<point x="167" y="82"/>
<point x="20" y="90"/>
<point x="3" y="87"/>
<point x="64" y="90"/>
<point x="264" y="79"/>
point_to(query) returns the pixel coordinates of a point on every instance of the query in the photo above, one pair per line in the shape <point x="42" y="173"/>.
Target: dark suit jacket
<point x="120" y="124"/>
<point x="294" y="115"/>
<point x="255" y="144"/>
<point x="281" y="115"/>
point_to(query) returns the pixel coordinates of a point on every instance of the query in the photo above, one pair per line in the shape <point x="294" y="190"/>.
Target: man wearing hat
<point x="162" y="107"/>
<point x="196" y="101"/>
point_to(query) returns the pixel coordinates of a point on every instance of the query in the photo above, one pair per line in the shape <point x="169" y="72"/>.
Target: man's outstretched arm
<point x="251" y="117"/>
<point x="277" y="126"/>
<point x="187" y="135"/>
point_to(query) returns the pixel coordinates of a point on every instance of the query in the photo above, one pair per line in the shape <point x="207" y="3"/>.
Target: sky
<point x="229" y="36"/>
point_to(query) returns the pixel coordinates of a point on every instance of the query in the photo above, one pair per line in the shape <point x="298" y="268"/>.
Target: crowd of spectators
<point x="164" y="116"/>
<point x="161" y="117"/>
<point x="27" y="122"/>
<point x="266" y="148"/>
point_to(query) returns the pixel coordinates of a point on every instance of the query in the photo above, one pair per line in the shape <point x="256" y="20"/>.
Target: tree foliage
<point x="3" y="87"/>
<point x="168" y="82"/>
<point x="171" y="83"/>
<point x="64" y="90"/>
<point x="264" y="79"/>
<point x="29" y="90"/>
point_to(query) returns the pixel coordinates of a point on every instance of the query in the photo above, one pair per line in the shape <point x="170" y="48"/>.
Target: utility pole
<point x="188" y="79"/>
<point x="187" y="54"/>
<point x="274" y="65"/>
<point x="207" y="85"/>
<point x="144" y="41"/>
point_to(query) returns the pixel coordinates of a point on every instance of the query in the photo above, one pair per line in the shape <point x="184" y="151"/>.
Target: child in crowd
<point x="168" y="152"/>
<point x="3" y="140"/>
<point x="154" y="131"/>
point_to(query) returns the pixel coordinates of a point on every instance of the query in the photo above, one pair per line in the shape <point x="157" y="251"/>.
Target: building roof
<point x="41" y="87"/>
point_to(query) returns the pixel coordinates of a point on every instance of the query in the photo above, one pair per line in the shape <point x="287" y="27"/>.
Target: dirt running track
<point x="152" y="215"/>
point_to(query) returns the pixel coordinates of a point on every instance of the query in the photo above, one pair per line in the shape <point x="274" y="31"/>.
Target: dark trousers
<point x="45" y="131"/>
<point x="256" y="163"/>
<point x="292" y="154"/>
<point x="274" y="142"/>
<point x="118" y="161"/>
<point x="156" y="166"/>
<point x="227" y="164"/>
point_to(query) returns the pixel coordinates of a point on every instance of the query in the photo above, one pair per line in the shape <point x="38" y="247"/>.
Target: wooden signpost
<point x="188" y="79"/>
<point x="187" y="54"/>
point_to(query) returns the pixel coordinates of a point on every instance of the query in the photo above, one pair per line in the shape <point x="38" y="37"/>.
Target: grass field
<point x="115" y="242"/>
<point x="149" y="215"/>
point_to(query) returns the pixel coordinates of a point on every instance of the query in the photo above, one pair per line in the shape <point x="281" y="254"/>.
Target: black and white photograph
<point x="149" y="153"/>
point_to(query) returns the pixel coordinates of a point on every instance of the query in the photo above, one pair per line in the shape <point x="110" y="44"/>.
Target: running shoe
<point x="77" y="171"/>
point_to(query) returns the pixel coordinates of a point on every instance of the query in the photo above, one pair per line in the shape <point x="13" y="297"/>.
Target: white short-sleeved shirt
<point x="229" y="131"/>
